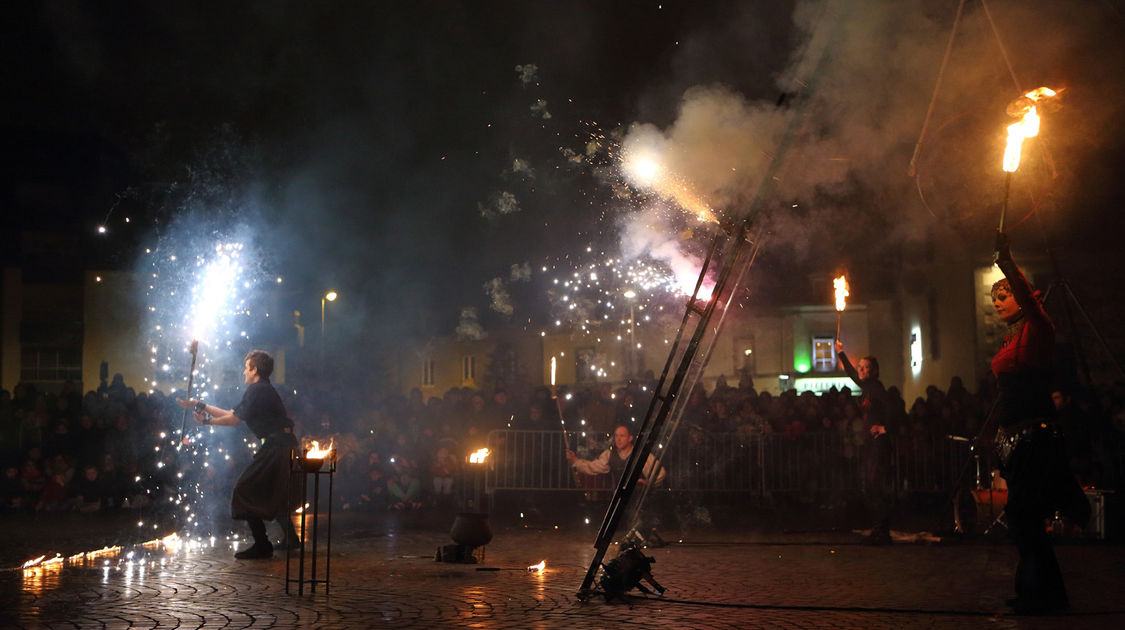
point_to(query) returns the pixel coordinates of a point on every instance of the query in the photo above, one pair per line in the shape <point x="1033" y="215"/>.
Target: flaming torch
<point x="1027" y="127"/>
<point x="840" y="284"/>
<point x="558" y="403"/>
<point x="184" y="441"/>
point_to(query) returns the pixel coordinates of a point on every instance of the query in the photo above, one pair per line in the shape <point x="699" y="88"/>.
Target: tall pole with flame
<point x="558" y="403"/>
<point x="840" y="284"/>
<point x="1025" y="108"/>
<point x="191" y="376"/>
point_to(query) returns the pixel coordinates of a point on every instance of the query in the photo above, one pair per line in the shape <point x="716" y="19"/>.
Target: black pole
<point x="190" y="378"/>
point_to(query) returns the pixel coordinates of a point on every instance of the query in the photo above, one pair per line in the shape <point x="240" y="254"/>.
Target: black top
<point x="873" y="403"/>
<point x="262" y="410"/>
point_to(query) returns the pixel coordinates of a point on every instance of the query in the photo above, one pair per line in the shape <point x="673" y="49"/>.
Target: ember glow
<point x="479" y="456"/>
<point x="1027" y="127"/>
<point x="542" y="566"/>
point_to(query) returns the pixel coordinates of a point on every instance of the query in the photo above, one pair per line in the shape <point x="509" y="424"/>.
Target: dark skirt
<point x="262" y="491"/>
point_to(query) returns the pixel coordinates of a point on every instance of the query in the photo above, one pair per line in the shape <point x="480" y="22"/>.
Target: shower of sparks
<point x="611" y="300"/>
<point x="593" y="293"/>
<point x="216" y="294"/>
<point x="643" y="168"/>
<point x="205" y="297"/>
<point x="206" y="290"/>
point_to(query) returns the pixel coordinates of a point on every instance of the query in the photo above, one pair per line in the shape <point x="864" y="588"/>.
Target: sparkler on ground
<point x="191" y="377"/>
<point x="840" y="283"/>
<point x="1025" y="108"/>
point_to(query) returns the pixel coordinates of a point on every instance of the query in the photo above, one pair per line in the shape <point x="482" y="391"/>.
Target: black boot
<point x="290" y="539"/>
<point x="261" y="547"/>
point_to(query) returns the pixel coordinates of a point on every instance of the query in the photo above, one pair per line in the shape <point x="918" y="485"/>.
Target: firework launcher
<point x="190" y="380"/>
<point x="309" y="468"/>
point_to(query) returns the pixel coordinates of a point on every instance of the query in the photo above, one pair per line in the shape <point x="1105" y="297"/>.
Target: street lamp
<point x="329" y="297"/>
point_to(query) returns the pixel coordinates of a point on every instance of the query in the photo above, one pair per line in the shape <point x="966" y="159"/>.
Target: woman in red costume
<point x="1033" y="460"/>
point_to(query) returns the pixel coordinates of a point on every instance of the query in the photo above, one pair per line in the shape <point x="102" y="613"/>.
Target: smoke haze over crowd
<point x="411" y="155"/>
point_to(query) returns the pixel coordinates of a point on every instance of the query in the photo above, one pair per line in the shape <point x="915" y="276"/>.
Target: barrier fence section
<point x="813" y="464"/>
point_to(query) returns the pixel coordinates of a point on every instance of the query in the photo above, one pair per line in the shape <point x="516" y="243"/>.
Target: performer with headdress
<point x="262" y="491"/>
<point x="1032" y="457"/>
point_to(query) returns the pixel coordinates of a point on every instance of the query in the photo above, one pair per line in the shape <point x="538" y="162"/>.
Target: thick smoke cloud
<point x="856" y="92"/>
<point x="377" y="182"/>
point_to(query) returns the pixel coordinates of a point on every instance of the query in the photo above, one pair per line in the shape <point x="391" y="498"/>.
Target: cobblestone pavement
<point x="383" y="576"/>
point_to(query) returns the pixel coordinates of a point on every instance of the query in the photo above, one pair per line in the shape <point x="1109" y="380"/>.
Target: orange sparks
<point x="646" y="171"/>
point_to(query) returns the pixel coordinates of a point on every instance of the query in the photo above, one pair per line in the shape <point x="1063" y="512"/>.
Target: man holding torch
<point x="262" y="491"/>
<point x="874" y="409"/>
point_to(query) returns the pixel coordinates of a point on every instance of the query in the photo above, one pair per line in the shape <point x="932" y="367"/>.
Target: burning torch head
<point x="1044" y="99"/>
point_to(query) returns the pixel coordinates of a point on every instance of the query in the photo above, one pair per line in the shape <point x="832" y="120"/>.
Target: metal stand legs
<point x="309" y="531"/>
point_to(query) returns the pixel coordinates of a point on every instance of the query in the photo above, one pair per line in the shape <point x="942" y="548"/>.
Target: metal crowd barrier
<point x="812" y="464"/>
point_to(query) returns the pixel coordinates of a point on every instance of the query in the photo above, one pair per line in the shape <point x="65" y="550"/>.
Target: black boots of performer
<point x="291" y="539"/>
<point x="262" y="548"/>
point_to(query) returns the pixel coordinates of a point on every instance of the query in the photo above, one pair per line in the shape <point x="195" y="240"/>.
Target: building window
<point x="468" y="368"/>
<point x="44" y="366"/>
<point x="824" y="354"/>
<point x="428" y="372"/>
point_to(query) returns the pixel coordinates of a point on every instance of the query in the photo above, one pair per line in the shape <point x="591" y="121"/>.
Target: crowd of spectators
<point x="113" y="448"/>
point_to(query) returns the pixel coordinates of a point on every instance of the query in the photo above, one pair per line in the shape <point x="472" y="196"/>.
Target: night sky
<point x="410" y="153"/>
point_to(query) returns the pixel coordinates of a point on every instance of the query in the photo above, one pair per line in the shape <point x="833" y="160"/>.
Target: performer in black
<point x="1032" y="457"/>
<point x="874" y="407"/>
<point x="262" y="491"/>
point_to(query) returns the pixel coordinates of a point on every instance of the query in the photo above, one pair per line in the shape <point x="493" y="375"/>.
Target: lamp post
<point x="327" y="297"/>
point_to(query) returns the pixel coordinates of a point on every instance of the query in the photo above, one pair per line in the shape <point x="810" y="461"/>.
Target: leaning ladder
<point x="729" y="258"/>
